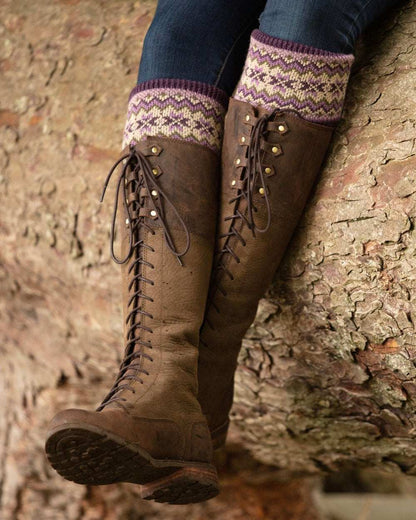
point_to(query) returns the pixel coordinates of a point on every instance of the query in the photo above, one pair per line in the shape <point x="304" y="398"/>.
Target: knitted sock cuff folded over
<point x="288" y="75"/>
<point x="178" y="109"/>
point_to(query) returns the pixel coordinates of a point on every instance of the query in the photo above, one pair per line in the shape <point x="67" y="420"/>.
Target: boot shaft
<point x="269" y="164"/>
<point x="167" y="228"/>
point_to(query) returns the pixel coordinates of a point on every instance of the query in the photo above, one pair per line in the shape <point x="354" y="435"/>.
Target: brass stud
<point x="238" y="161"/>
<point x="233" y="182"/>
<point x="127" y="221"/>
<point x="154" y="149"/>
<point x="153" y="213"/>
<point x="155" y="171"/>
<point x="275" y="149"/>
<point x="154" y="193"/>
<point x="267" y="171"/>
<point x="243" y="139"/>
<point x="248" y="117"/>
<point x="281" y="128"/>
<point x="261" y="191"/>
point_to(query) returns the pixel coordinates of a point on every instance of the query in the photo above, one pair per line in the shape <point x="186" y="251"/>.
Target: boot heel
<point x="186" y="486"/>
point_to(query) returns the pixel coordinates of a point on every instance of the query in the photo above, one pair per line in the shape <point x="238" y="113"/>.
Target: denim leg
<point x="199" y="40"/>
<point x="332" y="25"/>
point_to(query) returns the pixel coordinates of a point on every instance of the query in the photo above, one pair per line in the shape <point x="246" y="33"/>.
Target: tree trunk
<point x="326" y="376"/>
<point x="327" y="372"/>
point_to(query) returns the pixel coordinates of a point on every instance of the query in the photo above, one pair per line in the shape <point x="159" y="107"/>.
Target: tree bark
<point x="327" y="375"/>
<point x="327" y="372"/>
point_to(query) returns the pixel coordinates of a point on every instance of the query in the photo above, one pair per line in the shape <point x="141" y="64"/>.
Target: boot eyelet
<point x="243" y="139"/>
<point x="237" y="162"/>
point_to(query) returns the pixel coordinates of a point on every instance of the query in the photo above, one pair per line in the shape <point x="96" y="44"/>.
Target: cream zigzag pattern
<point x="177" y="114"/>
<point x="311" y="84"/>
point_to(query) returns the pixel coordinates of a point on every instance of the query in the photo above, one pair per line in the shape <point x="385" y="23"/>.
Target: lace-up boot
<point x="149" y="429"/>
<point x="269" y="162"/>
<point x="280" y="121"/>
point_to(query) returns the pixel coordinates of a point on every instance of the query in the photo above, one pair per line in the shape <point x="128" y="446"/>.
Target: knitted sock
<point x="178" y="109"/>
<point x="288" y="75"/>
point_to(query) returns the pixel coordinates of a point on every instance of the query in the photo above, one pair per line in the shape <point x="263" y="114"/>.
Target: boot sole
<point x="88" y="455"/>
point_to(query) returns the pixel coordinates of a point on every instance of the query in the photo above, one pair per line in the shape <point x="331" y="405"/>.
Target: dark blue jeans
<point x="207" y="40"/>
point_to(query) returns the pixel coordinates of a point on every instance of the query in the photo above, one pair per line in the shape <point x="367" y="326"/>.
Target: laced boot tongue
<point x="253" y="174"/>
<point x="251" y="180"/>
<point x="142" y="198"/>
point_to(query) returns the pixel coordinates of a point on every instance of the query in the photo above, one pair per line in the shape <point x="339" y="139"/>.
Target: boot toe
<point x="160" y="438"/>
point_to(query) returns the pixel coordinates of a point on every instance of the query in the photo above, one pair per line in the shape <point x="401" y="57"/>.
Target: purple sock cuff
<point x="292" y="76"/>
<point x="178" y="109"/>
<point x="294" y="46"/>
<point x="203" y="89"/>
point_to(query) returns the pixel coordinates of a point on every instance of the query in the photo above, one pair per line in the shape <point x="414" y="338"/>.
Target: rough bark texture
<point x="327" y="373"/>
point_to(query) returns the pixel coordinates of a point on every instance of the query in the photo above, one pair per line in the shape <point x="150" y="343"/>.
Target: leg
<point x="199" y="40"/>
<point x="332" y="25"/>
<point x="149" y="429"/>
<point x="192" y="58"/>
<point x="277" y="131"/>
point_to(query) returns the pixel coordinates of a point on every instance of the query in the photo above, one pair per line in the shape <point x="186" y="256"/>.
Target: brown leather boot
<point x="269" y="164"/>
<point x="149" y="429"/>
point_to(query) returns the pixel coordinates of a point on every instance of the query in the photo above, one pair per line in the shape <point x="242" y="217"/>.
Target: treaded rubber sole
<point x="185" y="486"/>
<point x="88" y="455"/>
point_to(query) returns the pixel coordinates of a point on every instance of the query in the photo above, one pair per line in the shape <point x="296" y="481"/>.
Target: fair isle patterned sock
<point x="178" y="109"/>
<point x="288" y="75"/>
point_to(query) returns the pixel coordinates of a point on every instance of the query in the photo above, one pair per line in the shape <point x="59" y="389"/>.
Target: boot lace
<point x="138" y="183"/>
<point x="252" y="179"/>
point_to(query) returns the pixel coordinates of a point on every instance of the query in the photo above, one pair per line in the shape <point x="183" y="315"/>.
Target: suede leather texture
<point x="160" y="412"/>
